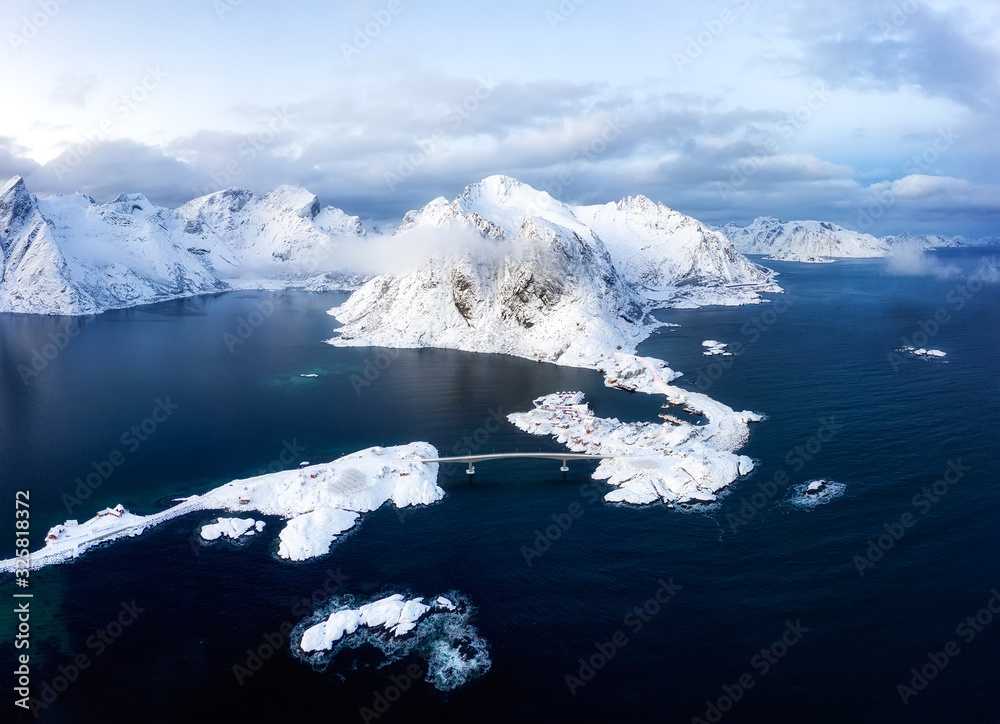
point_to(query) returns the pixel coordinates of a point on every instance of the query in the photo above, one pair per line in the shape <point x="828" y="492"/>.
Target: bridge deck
<point x="507" y="456"/>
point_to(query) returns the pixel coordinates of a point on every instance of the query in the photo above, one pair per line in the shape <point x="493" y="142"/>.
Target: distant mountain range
<point x="71" y="255"/>
<point x="67" y="254"/>
<point x="821" y="241"/>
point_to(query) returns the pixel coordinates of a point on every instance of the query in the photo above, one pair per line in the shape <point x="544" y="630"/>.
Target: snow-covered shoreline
<point x="319" y="503"/>
<point x="69" y="255"/>
<point x="231" y="528"/>
<point x="678" y="461"/>
<point x="535" y="278"/>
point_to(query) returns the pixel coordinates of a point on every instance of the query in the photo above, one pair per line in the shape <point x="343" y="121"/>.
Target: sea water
<point x="777" y="611"/>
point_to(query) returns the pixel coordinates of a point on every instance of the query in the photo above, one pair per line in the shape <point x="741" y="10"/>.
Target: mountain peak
<point x="638" y="203"/>
<point x="498" y="185"/>
<point x="16" y="204"/>
<point x="15" y="184"/>
<point x="506" y="202"/>
<point x="131" y="203"/>
<point x="233" y="199"/>
<point x="294" y="198"/>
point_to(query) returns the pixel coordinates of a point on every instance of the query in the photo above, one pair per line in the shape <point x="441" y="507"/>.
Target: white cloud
<point x="917" y="186"/>
<point x="744" y="104"/>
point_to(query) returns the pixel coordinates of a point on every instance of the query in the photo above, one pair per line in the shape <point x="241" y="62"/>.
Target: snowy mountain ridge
<point x="673" y="257"/>
<point x="657" y="249"/>
<point x="67" y="254"/>
<point x="822" y="241"/>
<point x="531" y="276"/>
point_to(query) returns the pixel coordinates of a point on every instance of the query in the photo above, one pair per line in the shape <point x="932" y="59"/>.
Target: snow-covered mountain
<point x="510" y="283"/>
<point x="284" y="235"/>
<point x="673" y="256"/>
<point x="71" y="255"/>
<point x="821" y="241"/>
<point x="810" y="241"/>
<point x="531" y="276"/>
<point x="657" y="249"/>
<point x="935" y="241"/>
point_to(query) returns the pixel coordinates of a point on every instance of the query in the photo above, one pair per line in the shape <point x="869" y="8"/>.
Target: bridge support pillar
<point x="565" y="466"/>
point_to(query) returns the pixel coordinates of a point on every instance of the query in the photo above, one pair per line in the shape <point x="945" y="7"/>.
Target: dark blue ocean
<point x="770" y="619"/>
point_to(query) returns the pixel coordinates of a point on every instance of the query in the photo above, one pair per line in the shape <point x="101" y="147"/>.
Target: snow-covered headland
<point x="532" y="277"/>
<point x="319" y="502"/>
<point x="677" y="461"/>
<point x="803" y="241"/>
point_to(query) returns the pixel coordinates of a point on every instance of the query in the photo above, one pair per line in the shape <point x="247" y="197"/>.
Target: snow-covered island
<point x="394" y="614"/>
<point x="527" y="275"/>
<point x="922" y="353"/>
<point x="715" y="348"/>
<point x="816" y="487"/>
<point x="530" y="276"/>
<point x="816" y="492"/>
<point x="399" y="627"/>
<point x="319" y="502"/>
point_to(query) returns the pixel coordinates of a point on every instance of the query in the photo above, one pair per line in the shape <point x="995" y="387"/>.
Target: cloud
<point x="883" y="48"/>
<point x="382" y="148"/>
<point x="116" y="166"/>
<point x="917" y="186"/>
<point x="73" y="88"/>
<point x="388" y="253"/>
<point x="939" y="193"/>
<point x="13" y="162"/>
<point x="908" y="261"/>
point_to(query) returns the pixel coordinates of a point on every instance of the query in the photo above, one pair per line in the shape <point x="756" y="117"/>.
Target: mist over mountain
<point x="67" y="254"/>
<point x="534" y="277"/>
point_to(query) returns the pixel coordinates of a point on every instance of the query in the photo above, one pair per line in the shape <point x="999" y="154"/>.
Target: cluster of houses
<point x="58" y="531"/>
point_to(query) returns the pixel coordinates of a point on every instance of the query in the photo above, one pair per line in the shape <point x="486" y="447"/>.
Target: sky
<point x="879" y="116"/>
